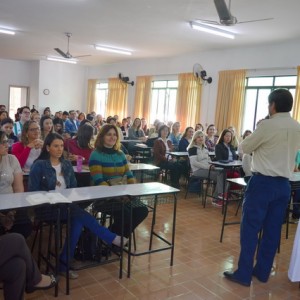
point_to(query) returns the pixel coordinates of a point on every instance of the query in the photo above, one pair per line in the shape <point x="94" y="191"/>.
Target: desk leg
<point x="57" y="239"/>
<point x="173" y="229"/>
<point x="129" y="241"/>
<point x="68" y="225"/>
<point x="122" y="243"/>
<point x="153" y="222"/>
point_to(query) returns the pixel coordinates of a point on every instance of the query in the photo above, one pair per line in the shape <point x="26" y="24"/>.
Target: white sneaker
<point x="72" y="274"/>
<point x="117" y="241"/>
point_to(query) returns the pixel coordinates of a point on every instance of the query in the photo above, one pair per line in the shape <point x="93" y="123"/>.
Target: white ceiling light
<point x="69" y="61"/>
<point x="212" y="30"/>
<point x="6" y="31"/>
<point x="113" y="50"/>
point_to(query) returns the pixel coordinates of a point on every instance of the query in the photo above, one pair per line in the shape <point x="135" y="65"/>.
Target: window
<point x="163" y="101"/>
<point x="256" y="97"/>
<point x="101" y="98"/>
<point x="18" y="97"/>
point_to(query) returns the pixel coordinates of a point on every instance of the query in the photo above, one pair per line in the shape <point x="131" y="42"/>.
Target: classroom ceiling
<point x="150" y="28"/>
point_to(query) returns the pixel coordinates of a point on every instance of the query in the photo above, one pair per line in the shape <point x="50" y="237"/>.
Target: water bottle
<point x="79" y="164"/>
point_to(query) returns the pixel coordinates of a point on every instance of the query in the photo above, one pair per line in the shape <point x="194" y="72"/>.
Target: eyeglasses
<point x="26" y="112"/>
<point x="34" y="129"/>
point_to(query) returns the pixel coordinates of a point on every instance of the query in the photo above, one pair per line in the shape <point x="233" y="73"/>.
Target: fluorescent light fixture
<point x="69" y="61"/>
<point x="212" y="30"/>
<point x="113" y="50"/>
<point x="6" y="31"/>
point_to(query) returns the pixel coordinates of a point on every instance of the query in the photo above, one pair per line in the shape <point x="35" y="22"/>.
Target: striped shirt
<point x="107" y="165"/>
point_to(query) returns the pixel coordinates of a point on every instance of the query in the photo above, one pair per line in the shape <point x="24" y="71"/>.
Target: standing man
<point x="24" y="117"/>
<point x="274" y="145"/>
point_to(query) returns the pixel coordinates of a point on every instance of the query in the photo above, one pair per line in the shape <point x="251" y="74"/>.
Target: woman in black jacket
<point x="224" y="150"/>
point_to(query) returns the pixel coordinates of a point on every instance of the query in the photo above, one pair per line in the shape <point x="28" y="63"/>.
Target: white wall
<point x="13" y="72"/>
<point x="279" y="57"/>
<point x="66" y="83"/>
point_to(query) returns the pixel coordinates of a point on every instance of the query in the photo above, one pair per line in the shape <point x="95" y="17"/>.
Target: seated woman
<point x="106" y="163"/>
<point x="11" y="181"/>
<point x="46" y="124"/>
<point x="81" y="144"/>
<point x="240" y="150"/>
<point x="199" y="126"/>
<point x="29" y="148"/>
<point x="144" y="126"/>
<point x="6" y="125"/>
<point x="175" y="135"/>
<point x="135" y="132"/>
<point x="52" y="172"/>
<point x="234" y="140"/>
<point x="18" y="270"/>
<point x="58" y="125"/>
<point x="224" y="150"/>
<point x="186" y="139"/>
<point x="211" y="139"/>
<point x="124" y="127"/>
<point x="199" y="161"/>
<point x="3" y="115"/>
<point x="161" y="146"/>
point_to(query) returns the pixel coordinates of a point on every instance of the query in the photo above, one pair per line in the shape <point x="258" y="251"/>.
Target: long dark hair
<point x="2" y="135"/>
<point x="47" y="142"/>
<point x="84" y="135"/>
<point x="186" y="131"/>
<point x="221" y="138"/>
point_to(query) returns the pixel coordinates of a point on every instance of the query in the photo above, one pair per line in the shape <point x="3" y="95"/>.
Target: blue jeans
<point x="79" y="219"/>
<point x="264" y="207"/>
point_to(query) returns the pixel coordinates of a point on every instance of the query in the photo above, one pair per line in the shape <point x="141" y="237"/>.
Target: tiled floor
<point x="200" y="260"/>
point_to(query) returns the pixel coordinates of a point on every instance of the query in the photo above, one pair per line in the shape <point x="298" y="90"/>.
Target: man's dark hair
<point x="65" y="113"/>
<point x="23" y="107"/>
<point x="282" y="99"/>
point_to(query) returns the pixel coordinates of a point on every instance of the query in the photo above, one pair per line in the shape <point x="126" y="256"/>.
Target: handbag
<point x="118" y="180"/>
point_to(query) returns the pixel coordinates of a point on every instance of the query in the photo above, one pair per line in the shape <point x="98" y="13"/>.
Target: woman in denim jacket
<point x="52" y="172"/>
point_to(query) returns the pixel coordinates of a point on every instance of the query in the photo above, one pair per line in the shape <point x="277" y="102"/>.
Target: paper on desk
<point x="51" y="198"/>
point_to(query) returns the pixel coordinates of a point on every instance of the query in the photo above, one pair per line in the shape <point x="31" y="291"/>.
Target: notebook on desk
<point x="51" y="198"/>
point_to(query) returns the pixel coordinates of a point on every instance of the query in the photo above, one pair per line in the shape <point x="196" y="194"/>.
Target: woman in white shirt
<point x="199" y="161"/>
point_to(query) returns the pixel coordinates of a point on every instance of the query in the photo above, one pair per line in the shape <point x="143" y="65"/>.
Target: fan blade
<point x="258" y="20"/>
<point x="82" y="55"/>
<point x="209" y="22"/>
<point x="63" y="54"/>
<point x="222" y="10"/>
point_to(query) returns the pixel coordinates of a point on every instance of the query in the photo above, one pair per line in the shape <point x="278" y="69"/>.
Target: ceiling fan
<point x="225" y="16"/>
<point x="67" y="54"/>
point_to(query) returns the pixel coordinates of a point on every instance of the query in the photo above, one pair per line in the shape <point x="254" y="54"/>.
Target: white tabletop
<point x="18" y="200"/>
<point x="142" y="167"/>
<point x="235" y="163"/>
<point x="295" y="177"/>
<point x="181" y="154"/>
<point x="129" y="141"/>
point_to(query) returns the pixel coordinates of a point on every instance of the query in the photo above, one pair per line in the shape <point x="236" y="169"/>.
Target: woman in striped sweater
<point x="108" y="162"/>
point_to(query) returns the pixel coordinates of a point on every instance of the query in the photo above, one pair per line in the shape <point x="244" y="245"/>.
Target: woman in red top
<point x="81" y="144"/>
<point x="29" y="148"/>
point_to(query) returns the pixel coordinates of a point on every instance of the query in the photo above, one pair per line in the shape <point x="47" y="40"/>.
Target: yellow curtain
<point x="142" y="101"/>
<point x="188" y="100"/>
<point x="296" y="110"/>
<point x="230" y="99"/>
<point x="117" y="98"/>
<point x="91" y="96"/>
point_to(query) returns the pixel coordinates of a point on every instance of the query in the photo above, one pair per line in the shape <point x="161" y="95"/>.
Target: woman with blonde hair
<point x="175" y="135"/>
<point x="234" y="140"/>
<point x="199" y="161"/>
